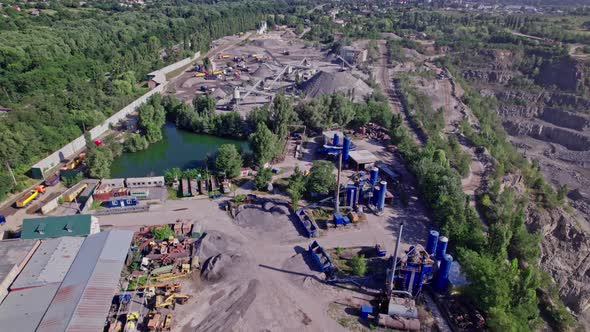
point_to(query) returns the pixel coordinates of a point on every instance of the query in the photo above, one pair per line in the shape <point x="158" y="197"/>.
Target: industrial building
<point x="353" y="55"/>
<point x="50" y="227"/>
<point x="362" y="159"/>
<point x="15" y="253"/>
<point x="154" y="181"/>
<point x="68" y="283"/>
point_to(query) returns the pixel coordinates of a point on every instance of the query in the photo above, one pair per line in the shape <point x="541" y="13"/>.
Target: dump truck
<point x="71" y="196"/>
<point x="27" y="198"/>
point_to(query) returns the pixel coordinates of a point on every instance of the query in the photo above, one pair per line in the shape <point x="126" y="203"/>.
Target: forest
<point x="68" y="69"/>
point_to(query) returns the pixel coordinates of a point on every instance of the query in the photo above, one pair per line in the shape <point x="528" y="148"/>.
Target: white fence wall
<point x="79" y="143"/>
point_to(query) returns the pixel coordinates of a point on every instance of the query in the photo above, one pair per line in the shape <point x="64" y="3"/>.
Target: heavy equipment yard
<point x="248" y="74"/>
<point x="224" y="260"/>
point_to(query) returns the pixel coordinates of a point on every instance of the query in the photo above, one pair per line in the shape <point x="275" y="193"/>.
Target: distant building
<point x="353" y="55"/>
<point x="263" y="27"/>
<point x="49" y="227"/>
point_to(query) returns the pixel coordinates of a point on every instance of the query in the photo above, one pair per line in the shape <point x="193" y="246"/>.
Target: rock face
<point x="566" y="74"/>
<point x="570" y="139"/>
<point x="565" y="254"/>
<point x="488" y="76"/>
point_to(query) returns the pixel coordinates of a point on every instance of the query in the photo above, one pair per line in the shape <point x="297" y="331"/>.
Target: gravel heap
<point x="342" y="82"/>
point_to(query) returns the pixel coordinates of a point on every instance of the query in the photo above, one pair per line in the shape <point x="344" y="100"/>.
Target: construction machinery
<point x="167" y="287"/>
<point x="200" y="75"/>
<point x="167" y="326"/>
<point x="154" y="321"/>
<point x="131" y="324"/>
<point x="170" y="301"/>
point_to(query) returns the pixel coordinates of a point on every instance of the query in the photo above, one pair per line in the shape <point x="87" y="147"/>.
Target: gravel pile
<point x="341" y="82"/>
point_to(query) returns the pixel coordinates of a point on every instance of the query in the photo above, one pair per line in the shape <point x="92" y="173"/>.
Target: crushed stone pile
<point x="219" y="266"/>
<point x="340" y="82"/>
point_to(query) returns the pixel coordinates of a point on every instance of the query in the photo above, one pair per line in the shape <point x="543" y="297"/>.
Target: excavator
<point x="171" y="300"/>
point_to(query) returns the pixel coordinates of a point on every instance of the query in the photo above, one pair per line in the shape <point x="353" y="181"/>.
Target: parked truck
<point x="27" y="198"/>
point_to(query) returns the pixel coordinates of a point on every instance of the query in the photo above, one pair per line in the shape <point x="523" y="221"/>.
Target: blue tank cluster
<point x="441" y="247"/>
<point x="381" y="197"/>
<point x="373" y="176"/>
<point x="345" y="148"/>
<point x="442" y="278"/>
<point x="431" y="243"/>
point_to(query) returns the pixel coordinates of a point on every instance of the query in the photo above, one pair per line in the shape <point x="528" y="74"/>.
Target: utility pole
<point x="337" y="202"/>
<point x="10" y="171"/>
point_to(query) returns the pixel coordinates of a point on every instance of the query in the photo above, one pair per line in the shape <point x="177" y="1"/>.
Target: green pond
<point x="178" y="148"/>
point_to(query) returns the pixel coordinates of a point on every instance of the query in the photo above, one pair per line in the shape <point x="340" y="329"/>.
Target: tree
<point x="264" y="145"/>
<point x="207" y="63"/>
<point x="99" y="160"/>
<point x="135" y="143"/>
<point x="152" y="117"/>
<point x="281" y="116"/>
<point x="163" y="232"/>
<point x="171" y="175"/>
<point x="321" y="178"/>
<point x="262" y="179"/>
<point x="204" y="104"/>
<point x="296" y="187"/>
<point x="228" y="161"/>
<point x="358" y="264"/>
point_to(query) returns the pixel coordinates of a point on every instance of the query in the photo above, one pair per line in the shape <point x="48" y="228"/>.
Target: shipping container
<point x="122" y="201"/>
<point x="139" y="193"/>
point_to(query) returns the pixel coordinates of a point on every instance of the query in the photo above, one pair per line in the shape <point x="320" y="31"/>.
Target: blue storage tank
<point x="431" y="243"/>
<point x="442" y="278"/>
<point x="376" y="193"/>
<point x="382" y="193"/>
<point x="374" y="175"/>
<point x="345" y="148"/>
<point x="336" y="140"/>
<point x="351" y="194"/>
<point x="441" y="247"/>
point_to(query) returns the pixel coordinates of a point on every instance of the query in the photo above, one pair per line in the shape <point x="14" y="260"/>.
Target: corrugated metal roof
<point x="50" y="262"/>
<point x="13" y="252"/>
<point x="83" y="300"/>
<point x="22" y="310"/>
<point x="48" y="227"/>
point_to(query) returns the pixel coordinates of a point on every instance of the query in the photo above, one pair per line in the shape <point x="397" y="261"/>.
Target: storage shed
<point x="49" y="227"/>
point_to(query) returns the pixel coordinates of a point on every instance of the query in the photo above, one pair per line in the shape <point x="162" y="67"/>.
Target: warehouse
<point x="49" y="227"/>
<point x="33" y="290"/>
<point x="68" y="284"/>
<point x="15" y="254"/>
<point x="84" y="298"/>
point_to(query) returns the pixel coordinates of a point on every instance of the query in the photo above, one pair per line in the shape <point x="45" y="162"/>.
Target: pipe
<point x="395" y="253"/>
<point x="382" y="194"/>
<point x="399" y="323"/>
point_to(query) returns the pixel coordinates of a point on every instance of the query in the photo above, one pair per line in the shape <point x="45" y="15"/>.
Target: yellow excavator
<point x="171" y="300"/>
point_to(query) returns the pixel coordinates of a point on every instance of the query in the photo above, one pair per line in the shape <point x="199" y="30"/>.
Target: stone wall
<point x="159" y="76"/>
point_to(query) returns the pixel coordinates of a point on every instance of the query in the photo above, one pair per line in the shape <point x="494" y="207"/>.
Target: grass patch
<point x="137" y="282"/>
<point x="173" y="194"/>
<point x="96" y="205"/>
